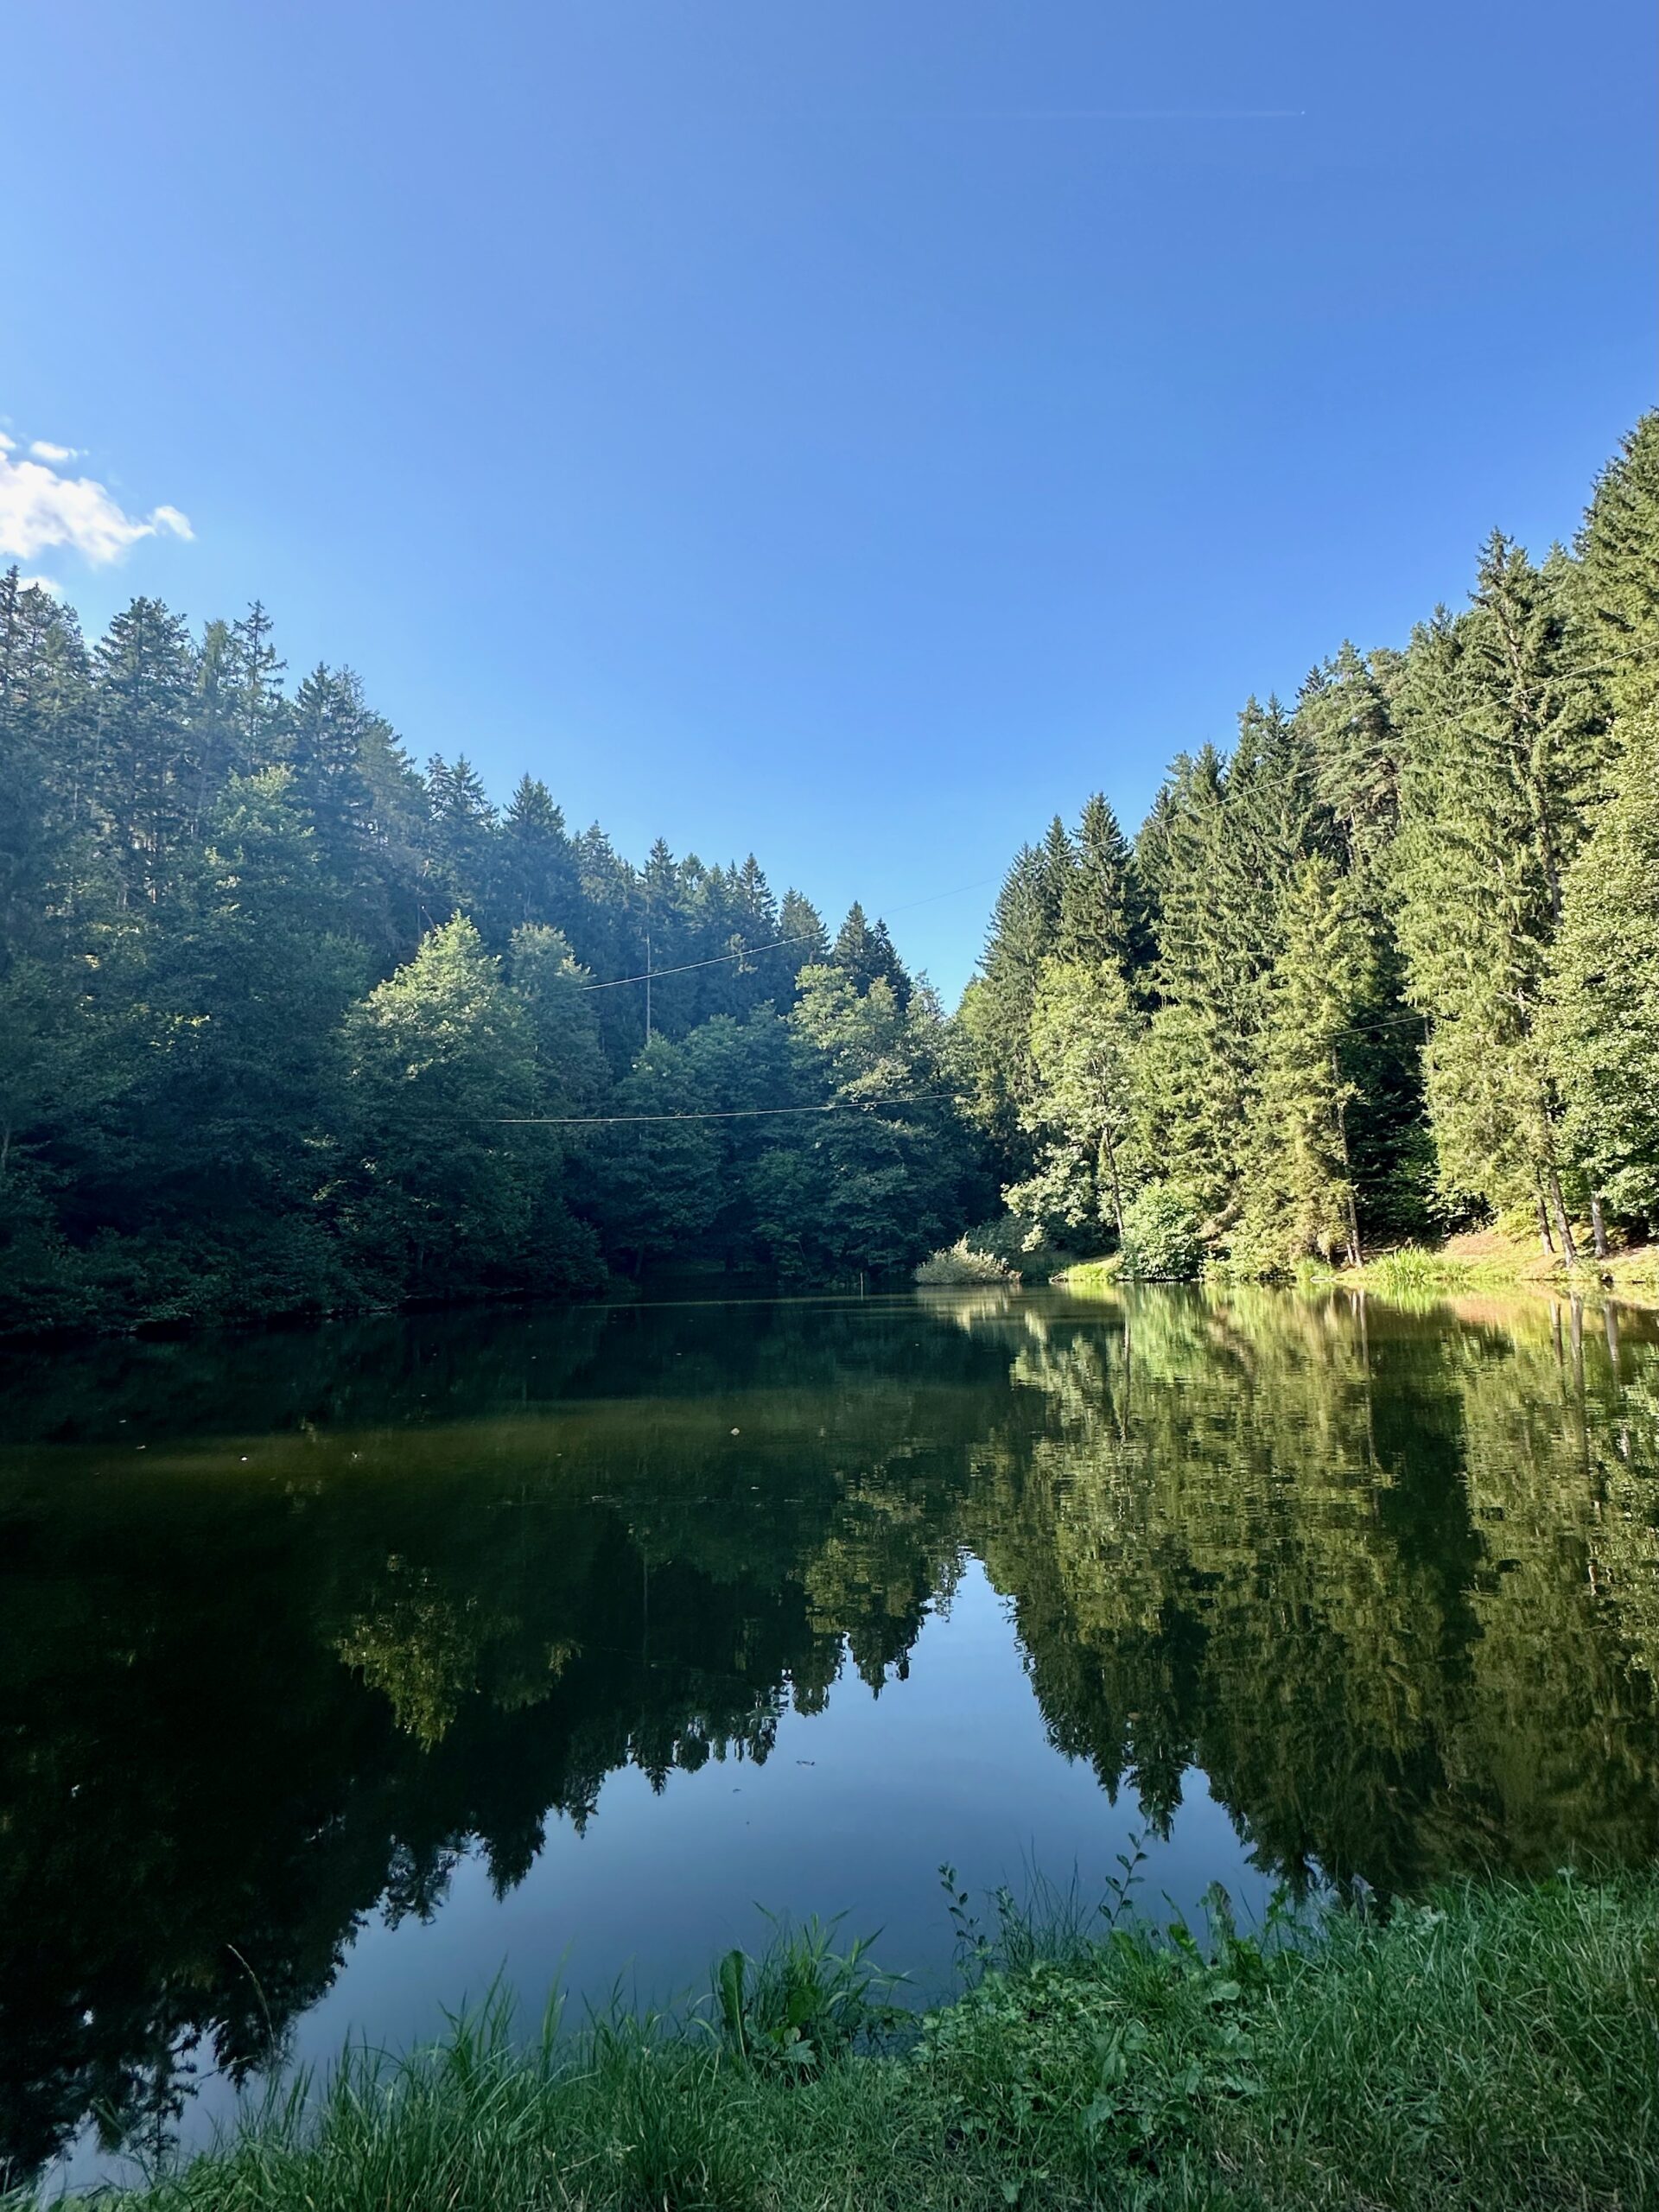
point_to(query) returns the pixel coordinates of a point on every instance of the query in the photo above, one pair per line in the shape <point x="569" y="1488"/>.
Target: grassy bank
<point x="1491" y="1263"/>
<point x="1090" y="1274"/>
<point x="1497" y="2048"/>
<point x="1464" y="1266"/>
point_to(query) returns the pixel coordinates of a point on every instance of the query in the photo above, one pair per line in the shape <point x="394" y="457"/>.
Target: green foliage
<point x="1603" y="1017"/>
<point x="1161" y="1238"/>
<point x="802" y="2005"/>
<point x="963" y="1262"/>
<point x="1300" y="1197"/>
<point x="292" y="1025"/>
<point x="1379" y="970"/>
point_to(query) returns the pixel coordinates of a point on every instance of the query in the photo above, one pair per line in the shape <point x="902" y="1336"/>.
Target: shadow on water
<point x="294" y="1621"/>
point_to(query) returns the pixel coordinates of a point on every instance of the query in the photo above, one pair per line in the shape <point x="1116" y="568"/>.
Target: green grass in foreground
<point x="1497" y="2047"/>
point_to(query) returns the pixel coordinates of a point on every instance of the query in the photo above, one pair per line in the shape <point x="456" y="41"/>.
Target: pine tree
<point x="801" y="924"/>
<point x="1220" y="846"/>
<point x="1505" y="745"/>
<point x="995" y="1012"/>
<point x="460" y="837"/>
<point x="1344" y="715"/>
<point x="866" y="951"/>
<point x="1301" y="1197"/>
<point x="535" y="878"/>
<point x="43" y="730"/>
<point x="1619" y="580"/>
<point x="1102" y="909"/>
<point x="254" y="684"/>
<point x="145" y="772"/>
<point x="1602" y="1025"/>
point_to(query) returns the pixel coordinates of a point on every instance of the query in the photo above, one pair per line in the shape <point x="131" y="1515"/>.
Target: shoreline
<point x="1493" y="2045"/>
<point x="1418" y="1271"/>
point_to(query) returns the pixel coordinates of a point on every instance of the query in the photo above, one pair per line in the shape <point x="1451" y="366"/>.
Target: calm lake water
<point x="343" y="1670"/>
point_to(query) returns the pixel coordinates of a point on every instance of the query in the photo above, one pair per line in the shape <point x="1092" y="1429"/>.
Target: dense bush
<point x="1161" y="1241"/>
<point x="963" y="1262"/>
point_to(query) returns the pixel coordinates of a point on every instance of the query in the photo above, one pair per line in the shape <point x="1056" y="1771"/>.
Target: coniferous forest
<point x="1391" y="967"/>
<point x="290" y="1024"/>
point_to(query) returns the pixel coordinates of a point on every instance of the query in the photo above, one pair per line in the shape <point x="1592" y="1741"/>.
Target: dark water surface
<point x="342" y="1670"/>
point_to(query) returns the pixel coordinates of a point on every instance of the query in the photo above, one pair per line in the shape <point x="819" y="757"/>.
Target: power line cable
<point x="795" y="937"/>
<point x="725" y="1114"/>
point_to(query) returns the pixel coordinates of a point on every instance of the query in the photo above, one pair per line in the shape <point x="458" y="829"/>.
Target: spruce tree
<point x="145" y="772"/>
<point x="1506" y="742"/>
<point x="866" y="951"/>
<point x="1300" y="1197"/>
<point x="1103" y="909"/>
<point x="802" y="926"/>
<point x="1618" y="577"/>
<point x="1345" y="712"/>
<point x="1602" y="1025"/>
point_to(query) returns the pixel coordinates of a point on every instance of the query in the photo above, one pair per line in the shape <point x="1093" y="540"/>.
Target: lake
<point x="345" y="1670"/>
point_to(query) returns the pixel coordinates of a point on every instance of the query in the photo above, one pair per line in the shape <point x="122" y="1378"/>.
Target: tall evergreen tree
<point x="800" y="923"/>
<point x="866" y="951"/>
<point x="1505" y="745"/>
<point x="1344" y="714"/>
<point x="145" y="778"/>
<point x="1301" y="1196"/>
<point x="1102" y="909"/>
<point x="1618" y="570"/>
<point x="1602" y="1021"/>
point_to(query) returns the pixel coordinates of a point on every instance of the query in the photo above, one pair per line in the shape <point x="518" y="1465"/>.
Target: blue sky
<point x="852" y="432"/>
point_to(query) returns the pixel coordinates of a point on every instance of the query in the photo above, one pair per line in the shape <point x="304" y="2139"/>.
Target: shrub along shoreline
<point x="1496" y="2046"/>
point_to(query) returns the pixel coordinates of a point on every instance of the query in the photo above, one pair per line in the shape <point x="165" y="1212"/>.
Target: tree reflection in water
<point x="376" y="1594"/>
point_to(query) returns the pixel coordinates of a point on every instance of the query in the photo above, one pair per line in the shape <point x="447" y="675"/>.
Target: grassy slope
<point x="1486" y="1261"/>
<point x="1499" y="2048"/>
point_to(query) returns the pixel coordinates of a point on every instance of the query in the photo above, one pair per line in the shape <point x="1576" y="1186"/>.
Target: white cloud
<point x="49" y="585"/>
<point x="43" y="449"/>
<point x="39" y="508"/>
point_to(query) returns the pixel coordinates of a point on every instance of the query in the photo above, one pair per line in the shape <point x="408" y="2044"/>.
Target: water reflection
<point x="293" y="1621"/>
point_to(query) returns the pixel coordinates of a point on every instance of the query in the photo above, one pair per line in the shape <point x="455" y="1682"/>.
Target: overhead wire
<point x="772" y="945"/>
<point x="721" y="1113"/>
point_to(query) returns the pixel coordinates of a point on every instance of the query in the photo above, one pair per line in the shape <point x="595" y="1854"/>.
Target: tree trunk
<point x="1563" y="1226"/>
<point x="1110" y="1155"/>
<point x="1544" y="1237"/>
<point x="1356" y="1256"/>
<point x="1598" y="1226"/>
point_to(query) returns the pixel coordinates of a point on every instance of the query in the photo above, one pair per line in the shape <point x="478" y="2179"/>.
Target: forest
<point x="1388" y="967"/>
<point x="292" y="1024"/>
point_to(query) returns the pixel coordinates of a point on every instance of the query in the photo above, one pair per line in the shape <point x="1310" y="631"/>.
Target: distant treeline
<point x="287" y="1024"/>
<point x="1391" y="966"/>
